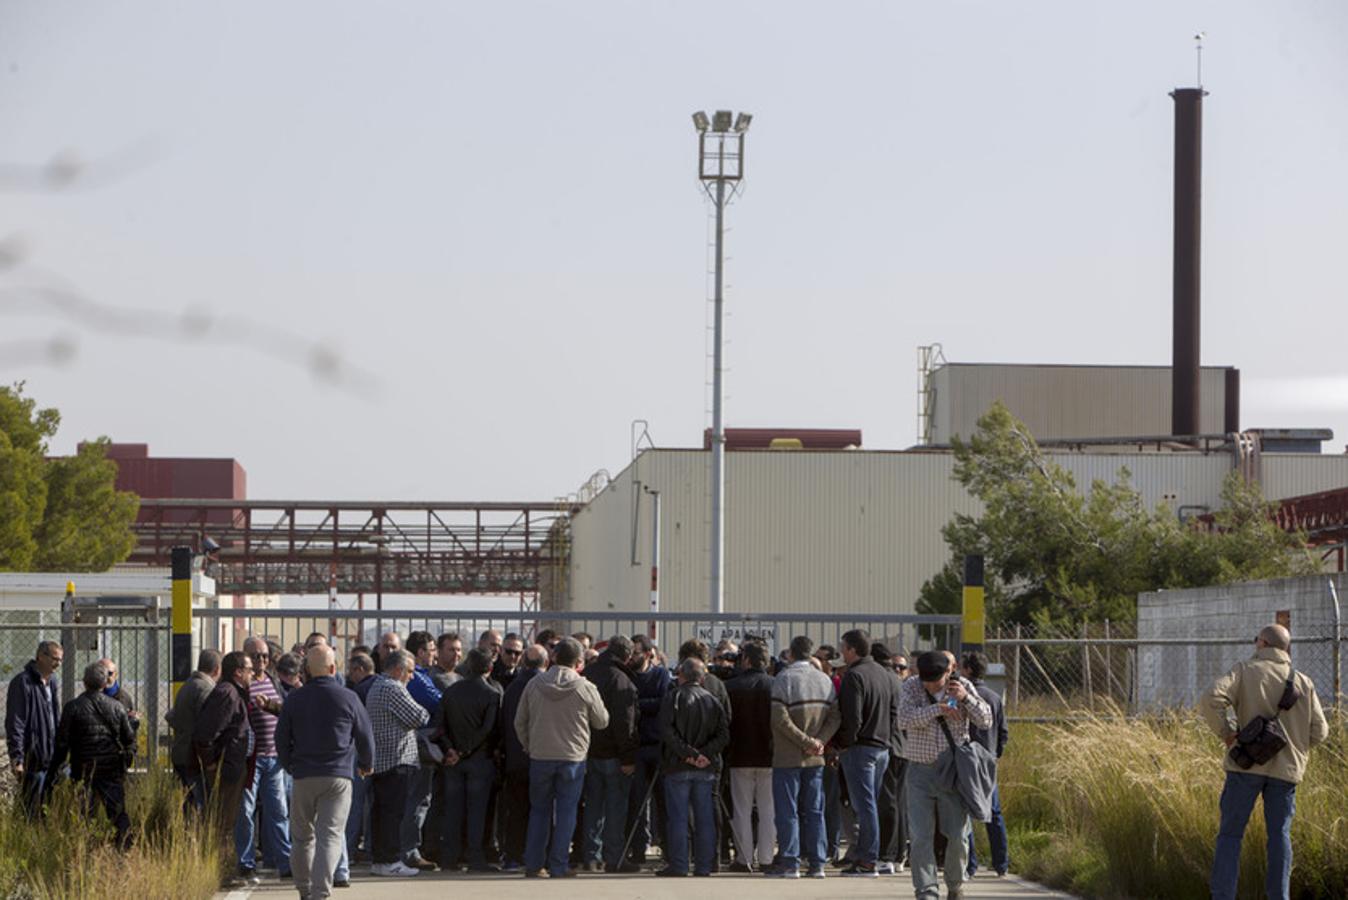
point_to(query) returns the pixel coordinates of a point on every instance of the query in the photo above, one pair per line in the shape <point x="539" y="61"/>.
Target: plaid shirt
<point x="919" y="716"/>
<point x="394" y="716"/>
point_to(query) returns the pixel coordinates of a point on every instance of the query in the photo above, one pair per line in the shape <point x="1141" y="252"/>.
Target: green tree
<point x="60" y="514"/>
<point x="1055" y="555"/>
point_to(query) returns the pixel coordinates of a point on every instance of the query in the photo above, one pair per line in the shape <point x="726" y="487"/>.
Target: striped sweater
<point x="804" y="706"/>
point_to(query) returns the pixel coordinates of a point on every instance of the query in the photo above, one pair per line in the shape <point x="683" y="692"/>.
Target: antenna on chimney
<point x="1198" y="48"/>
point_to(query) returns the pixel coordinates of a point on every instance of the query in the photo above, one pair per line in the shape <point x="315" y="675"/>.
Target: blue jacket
<point x="32" y="712"/>
<point x="652" y="685"/>
<point x="324" y="731"/>
<point x="424" y="691"/>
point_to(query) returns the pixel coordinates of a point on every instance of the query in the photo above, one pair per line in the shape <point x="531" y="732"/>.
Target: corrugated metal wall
<point x="843" y="531"/>
<point x="1069" y="401"/>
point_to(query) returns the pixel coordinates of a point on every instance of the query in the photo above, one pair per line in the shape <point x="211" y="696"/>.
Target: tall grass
<point x="1111" y="807"/>
<point x="69" y="854"/>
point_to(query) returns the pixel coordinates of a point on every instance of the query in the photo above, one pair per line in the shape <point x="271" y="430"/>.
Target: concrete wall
<point x="1177" y="675"/>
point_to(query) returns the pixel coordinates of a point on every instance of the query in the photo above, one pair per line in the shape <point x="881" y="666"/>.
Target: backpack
<point x="1263" y="737"/>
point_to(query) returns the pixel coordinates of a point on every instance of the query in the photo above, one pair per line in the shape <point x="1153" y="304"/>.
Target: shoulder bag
<point x="975" y="772"/>
<point x="1263" y="737"/>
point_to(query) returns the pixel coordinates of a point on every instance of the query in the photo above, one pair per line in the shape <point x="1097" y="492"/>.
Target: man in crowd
<point x="612" y="760"/>
<point x="96" y="733"/>
<point x="725" y="664"/>
<point x="507" y="664"/>
<point x="653" y="682"/>
<point x="865" y="699"/>
<point x="974" y="668"/>
<point x="804" y="717"/>
<point x="893" y="817"/>
<point x="268" y="791"/>
<point x="749" y="756"/>
<point x="423" y="690"/>
<point x="394" y="718"/>
<point x="586" y="641"/>
<point x="221" y="737"/>
<point x="119" y="692"/>
<point x="557" y="711"/>
<point x="490" y="642"/>
<point x="448" y="656"/>
<point x="694" y="728"/>
<point x="323" y="735"/>
<point x="515" y="789"/>
<point x="389" y="641"/>
<point x="1253" y="688"/>
<point x="182" y="718"/>
<point x="360" y="674"/>
<point x="32" y="711"/>
<point x="287" y="674"/>
<point x="695" y="649"/>
<point x="926" y="703"/>
<point x="467" y="718"/>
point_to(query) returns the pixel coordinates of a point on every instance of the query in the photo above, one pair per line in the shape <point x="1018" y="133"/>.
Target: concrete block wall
<point x="1176" y="675"/>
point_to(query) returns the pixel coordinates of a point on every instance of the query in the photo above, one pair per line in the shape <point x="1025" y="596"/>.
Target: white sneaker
<point x="404" y="870"/>
<point x="393" y="870"/>
<point x="884" y="868"/>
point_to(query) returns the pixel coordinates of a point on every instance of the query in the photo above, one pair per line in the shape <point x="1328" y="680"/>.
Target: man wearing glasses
<point x="222" y="737"/>
<point x="267" y="789"/>
<point x="32" y="711"/>
<point x="504" y="670"/>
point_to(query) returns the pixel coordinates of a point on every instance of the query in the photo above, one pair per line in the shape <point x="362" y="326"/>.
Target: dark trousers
<point x="646" y="820"/>
<point x="514" y="809"/>
<point x="110" y="791"/>
<point x="893" y="817"/>
<point x="388" y="804"/>
<point x="224" y="799"/>
<point x="467" y="789"/>
<point x="33" y="790"/>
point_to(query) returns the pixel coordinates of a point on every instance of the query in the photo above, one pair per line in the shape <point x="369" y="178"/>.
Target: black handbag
<point x="1263" y="737"/>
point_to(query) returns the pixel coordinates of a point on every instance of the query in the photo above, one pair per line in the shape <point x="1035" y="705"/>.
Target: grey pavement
<point x="647" y="887"/>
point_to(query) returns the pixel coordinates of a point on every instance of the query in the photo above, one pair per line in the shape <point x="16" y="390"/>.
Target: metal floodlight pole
<point x="717" y="165"/>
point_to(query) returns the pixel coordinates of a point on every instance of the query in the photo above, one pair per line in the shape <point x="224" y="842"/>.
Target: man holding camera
<point x="1259" y="687"/>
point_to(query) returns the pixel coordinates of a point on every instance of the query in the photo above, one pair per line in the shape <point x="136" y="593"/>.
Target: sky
<point x="451" y="251"/>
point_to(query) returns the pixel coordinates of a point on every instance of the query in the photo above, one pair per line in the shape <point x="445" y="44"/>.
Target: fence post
<point x="1015" y="684"/>
<point x="1086" y="664"/>
<point x="1337" y="644"/>
<point x="973" y="615"/>
<point x="1109" y="663"/>
<point x="180" y="648"/>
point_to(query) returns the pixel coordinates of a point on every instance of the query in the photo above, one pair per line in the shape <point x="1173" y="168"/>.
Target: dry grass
<point x="69" y="855"/>
<point x="1117" y="807"/>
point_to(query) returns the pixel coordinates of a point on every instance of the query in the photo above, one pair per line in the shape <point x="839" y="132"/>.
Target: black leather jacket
<point x="692" y="722"/>
<point x="94" y="730"/>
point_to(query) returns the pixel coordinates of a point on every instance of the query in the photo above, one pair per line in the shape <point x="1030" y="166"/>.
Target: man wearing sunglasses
<point x="503" y="671"/>
<point x="267" y="792"/>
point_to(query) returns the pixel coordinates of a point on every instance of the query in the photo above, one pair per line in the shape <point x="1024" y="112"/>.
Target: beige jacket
<point x="1253" y="688"/>
<point x="557" y="711"/>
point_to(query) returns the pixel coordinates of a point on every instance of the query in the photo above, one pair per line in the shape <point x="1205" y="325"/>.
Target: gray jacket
<point x="182" y="718"/>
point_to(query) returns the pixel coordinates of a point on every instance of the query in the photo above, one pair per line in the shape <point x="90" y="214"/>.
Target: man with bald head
<point x="1262" y="686"/>
<point x="323" y="735"/>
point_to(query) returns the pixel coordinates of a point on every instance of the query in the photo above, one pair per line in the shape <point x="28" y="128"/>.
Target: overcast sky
<point x="482" y="220"/>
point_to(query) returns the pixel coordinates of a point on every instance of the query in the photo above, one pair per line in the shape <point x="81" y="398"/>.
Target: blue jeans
<point x="467" y="787"/>
<point x="695" y="793"/>
<point x="864" y="769"/>
<point x="929" y="794"/>
<point x="1237" y="802"/>
<point x="268" y="784"/>
<point x="555" y="787"/>
<point x="832" y="810"/>
<point x="606" y="794"/>
<point x="798" y="812"/>
<point x="996" y="840"/>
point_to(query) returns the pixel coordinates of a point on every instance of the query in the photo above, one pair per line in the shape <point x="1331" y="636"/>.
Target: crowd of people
<point x="548" y="757"/>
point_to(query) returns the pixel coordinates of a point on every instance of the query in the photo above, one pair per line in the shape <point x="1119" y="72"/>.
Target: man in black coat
<point x="469" y="724"/>
<point x="515" y="790"/>
<point x="96" y="733"/>
<point x="749" y="756"/>
<point x="975" y="667"/>
<point x="694" y="728"/>
<point x="220" y="740"/>
<point x="612" y="760"/>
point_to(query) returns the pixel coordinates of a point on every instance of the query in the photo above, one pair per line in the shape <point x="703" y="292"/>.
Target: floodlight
<point x="721" y="121"/>
<point x="700" y="121"/>
<point x="742" y="122"/>
<point x="209" y="546"/>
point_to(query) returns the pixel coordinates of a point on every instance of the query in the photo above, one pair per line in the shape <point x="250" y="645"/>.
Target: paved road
<point x="648" y="887"/>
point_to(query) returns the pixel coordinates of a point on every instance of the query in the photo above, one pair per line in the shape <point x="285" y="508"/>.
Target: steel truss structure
<point x="317" y="547"/>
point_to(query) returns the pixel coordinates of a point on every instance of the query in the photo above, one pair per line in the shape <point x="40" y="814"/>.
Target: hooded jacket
<point x="619" y="740"/>
<point x="557" y="711"/>
<point x="1252" y="688"/>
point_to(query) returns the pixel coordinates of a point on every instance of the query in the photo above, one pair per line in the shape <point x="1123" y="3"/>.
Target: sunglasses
<point x="511" y="652"/>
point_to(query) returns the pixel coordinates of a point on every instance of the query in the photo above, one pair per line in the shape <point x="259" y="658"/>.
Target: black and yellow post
<point x="974" y="614"/>
<point x="181" y="649"/>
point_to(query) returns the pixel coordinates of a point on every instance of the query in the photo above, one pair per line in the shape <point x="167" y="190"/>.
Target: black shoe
<point x="667" y="872"/>
<point x="534" y="873"/>
<point x="857" y="870"/>
<point x="484" y="867"/>
<point x="701" y="874"/>
<point x="342" y="883"/>
<point x="569" y="873"/>
<point x="738" y="867"/>
<point x="627" y="868"/>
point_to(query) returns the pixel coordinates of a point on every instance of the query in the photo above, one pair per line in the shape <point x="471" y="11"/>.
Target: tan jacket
<point x="804" y="707"/>
<point x="1253" y="688"/>
<point x="557" y="711"/>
